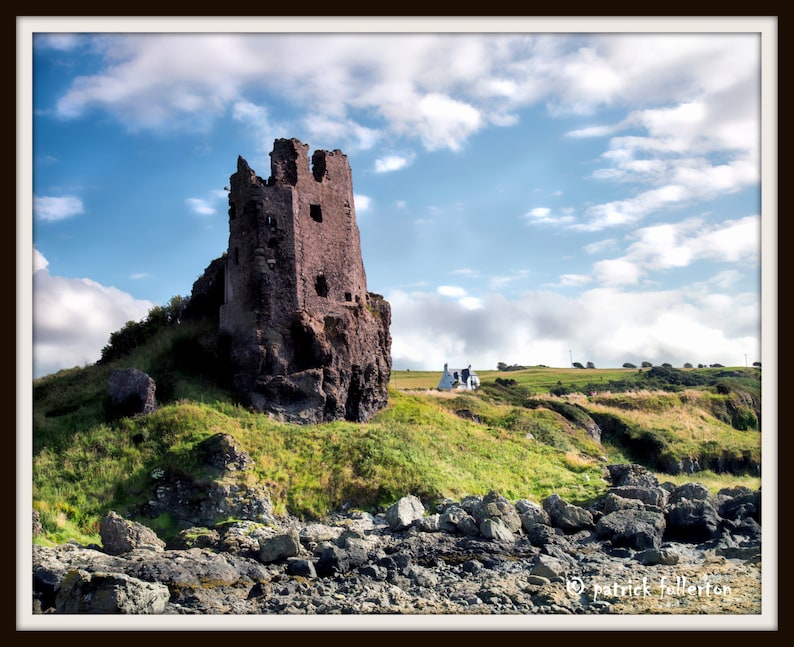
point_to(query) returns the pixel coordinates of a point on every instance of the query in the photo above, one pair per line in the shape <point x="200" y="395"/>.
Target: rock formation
<point x="480" y="555"/>
<point x="307" y="343"/>
<point x="131" y="392"/>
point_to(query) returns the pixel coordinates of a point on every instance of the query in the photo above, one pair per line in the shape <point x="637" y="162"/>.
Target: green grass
<point x="514" y="436"/>
<point x="414" y="446"/>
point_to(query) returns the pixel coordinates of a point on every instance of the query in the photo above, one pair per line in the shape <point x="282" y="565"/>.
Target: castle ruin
<point x="307" y="343"/>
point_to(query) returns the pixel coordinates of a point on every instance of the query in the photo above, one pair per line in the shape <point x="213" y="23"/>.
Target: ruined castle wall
<point x="327" y="243"/>
<point x="307" y="340"/>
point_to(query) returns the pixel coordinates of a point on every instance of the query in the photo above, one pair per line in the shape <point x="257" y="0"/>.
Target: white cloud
<point x="73" y="318"/>
<point x="617" y="272"/>
<point x="330" y="133"/>
<point x="675" y="245"/>
<point x="572" y="280"/>
<point x="472" y="303"/>
<point x="257" y="118"/>
<point x="443" y="122"/>
<point x="451" y="291"/>
<point x="438" y="88"/>
<point x="605" y="326"/>
<point x="200" y="207"/>
<point x="392" y="163"/>
<point x="362" y="202"/>
<point x="62" y="42"/>
<point x="39" y="262"/>
<point x="52" y="209"/>
<point x="544" y="216"/>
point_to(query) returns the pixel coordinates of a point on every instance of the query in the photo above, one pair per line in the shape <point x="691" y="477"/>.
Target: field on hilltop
<point x="525" y="433"/>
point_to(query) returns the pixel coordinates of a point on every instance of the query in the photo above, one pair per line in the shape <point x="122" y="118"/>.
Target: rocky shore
<point x="645" y="548"/>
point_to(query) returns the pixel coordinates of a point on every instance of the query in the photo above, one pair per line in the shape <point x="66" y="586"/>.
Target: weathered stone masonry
<point x="308" y="343"/>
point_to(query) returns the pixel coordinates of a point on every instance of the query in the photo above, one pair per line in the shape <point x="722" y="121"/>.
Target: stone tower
<point x="307" y="342"/>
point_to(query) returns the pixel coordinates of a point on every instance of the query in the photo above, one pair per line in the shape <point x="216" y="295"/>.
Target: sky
<point x="524" y="194"/>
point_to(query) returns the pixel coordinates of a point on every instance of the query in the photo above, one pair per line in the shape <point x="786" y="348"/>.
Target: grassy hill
<point x="525" y="433"/>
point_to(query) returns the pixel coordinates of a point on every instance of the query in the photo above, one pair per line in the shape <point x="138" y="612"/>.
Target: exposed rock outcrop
<point x="365" y="564"/>
<point x="131" y="392"/>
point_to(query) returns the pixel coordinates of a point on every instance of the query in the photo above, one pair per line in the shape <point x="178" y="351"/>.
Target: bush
<point x="135" y="333"/>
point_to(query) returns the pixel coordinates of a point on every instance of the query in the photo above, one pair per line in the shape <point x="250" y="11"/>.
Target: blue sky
<point x="527" y="197"/>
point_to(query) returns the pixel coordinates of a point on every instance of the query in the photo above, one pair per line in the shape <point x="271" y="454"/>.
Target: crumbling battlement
<point x="307" y="341"/>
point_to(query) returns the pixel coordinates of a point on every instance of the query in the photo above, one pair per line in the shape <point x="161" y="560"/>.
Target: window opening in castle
<point x="321" y="286"/>
<point x="316" y="212"/>
<point x="348" y="296"/>
<point x="270" y="221"/>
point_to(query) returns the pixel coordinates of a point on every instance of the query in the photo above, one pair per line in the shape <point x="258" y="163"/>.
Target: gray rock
<point x="120" y="536"/>
<point x="494" y="506"/>
<point x="431" y="523"/>
<point x="132" y="392"/>
<point x="653" y="556"/>
<point x="451" y="517"/>
<point x="650" y="495"/>
<point x="280" y="547"/>
<point x="100" y="593"/>
<point x="221" y="452"/>
<point x="638" y="529"/>
<point x="691" y="492"/>
<point x="631" y="474"/>
<point x="566" y="516"/>
<point x="693" y="520"/>
<point x="548" y="567"/>
<point x="531" y="513"/>
<point x="496" y="529"/>
<point x="614" y="502"/>
<point x="196" y="538"/>
<point x="301" y="567"/>
<point x="404" y="512"/>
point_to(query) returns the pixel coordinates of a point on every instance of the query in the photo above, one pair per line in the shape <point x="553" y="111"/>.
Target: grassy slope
<point x="430" y="444"/>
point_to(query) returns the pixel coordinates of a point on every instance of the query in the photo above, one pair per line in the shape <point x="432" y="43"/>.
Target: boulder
<point x="120" y="536"/>
<point x="692" y="492"/>
<point x="637" y="529"/>
<point x="548" y="567"/>
<point x="196" y="538"/>
<point x="614" y="502"/>
<point x="297" y="566"/>
<point x="221" y="452"/>
<point x="404" y="512"/>
<point x="692" y="521"/>
<point x="496" y="507"/>
<point x="566" y="516"/>
<point x="495" y="528"/>
<point x="84" y="592"/>
<point x="280" y="547"/>
<point x="650" y="495"/>
<point x="333" y="561"/>
<point x="132" y="392"/>
<point x="631" y="474"/>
